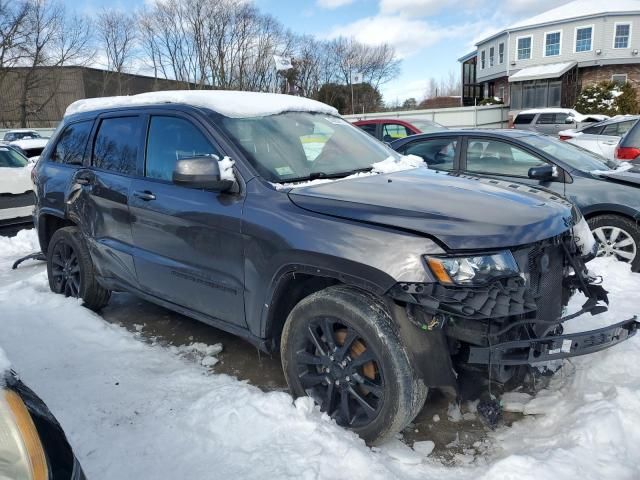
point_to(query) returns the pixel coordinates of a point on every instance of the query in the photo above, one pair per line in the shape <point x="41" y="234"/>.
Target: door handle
<point x="146" y="195"/>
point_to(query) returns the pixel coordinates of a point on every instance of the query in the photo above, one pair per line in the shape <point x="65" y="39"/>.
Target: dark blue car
<point x="608" y="198"/>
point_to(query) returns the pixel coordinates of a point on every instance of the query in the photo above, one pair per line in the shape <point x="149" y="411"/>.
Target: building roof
<point x="578" y="9"/>
<point x="539" y="72"/>
<point x="226" y="102"/>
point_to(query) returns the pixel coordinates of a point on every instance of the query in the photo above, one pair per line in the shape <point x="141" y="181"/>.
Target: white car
<point x="551" y="120"/>
<point x="19" y="134"/>
<point x="31" y="147"/>
<point x="603" y="137"/>
<point x="16" y="188"/>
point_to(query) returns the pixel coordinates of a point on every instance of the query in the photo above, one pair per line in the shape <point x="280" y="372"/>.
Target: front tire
<point x="617" y="237"/>
<point x="339" y="346"/>
<point x="70" y="269"/>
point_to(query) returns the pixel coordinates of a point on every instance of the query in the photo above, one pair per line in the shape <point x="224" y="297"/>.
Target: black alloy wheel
<point x="65" y="270"/>
<point x="340" y="373"/>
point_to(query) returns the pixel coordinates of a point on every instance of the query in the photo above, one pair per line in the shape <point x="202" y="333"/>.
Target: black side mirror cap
<point x="543" y="173"/>
<point x="200" y="172"/>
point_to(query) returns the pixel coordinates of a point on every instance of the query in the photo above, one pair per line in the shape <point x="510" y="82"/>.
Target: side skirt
<point x="262" y="344"/>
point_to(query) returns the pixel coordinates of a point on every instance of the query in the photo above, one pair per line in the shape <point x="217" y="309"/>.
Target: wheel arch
<point x="296" y="281"/>
<point x="48" y="223"/>
<point x="610" y="209"/>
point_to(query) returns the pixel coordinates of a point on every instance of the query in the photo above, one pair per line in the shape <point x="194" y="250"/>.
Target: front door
<point x="188" y="244"/>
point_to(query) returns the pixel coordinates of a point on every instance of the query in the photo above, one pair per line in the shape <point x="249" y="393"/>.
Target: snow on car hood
<point x="463" y="213"/>
<point x="16" y="180"/>
<point x="28" y="143"/>
<point x="225" y="102"/>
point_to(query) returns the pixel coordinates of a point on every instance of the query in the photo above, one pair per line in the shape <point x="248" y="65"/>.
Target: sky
<point x="428" y="35"/>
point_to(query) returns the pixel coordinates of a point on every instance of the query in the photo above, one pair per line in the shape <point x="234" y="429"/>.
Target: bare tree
<point x="52" y="39"/>
<point x="116" y="34"/>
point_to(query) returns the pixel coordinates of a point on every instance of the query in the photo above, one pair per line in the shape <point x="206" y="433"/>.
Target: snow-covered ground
<point x="139" y="411"/>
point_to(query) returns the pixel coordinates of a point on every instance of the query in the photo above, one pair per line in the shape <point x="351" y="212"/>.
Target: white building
<point x="545" y="61"/>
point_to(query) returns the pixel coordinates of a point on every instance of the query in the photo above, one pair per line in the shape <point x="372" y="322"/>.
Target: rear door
<point x="100" y="193"/>
<point x="503" y="160"/>
<point x="188" y="243"/>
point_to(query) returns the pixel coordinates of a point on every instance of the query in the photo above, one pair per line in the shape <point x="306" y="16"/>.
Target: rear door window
<point x="72" y="143"/>
<point x="547" y="118"/>
<point x="438" y="153"/>
<point x="116" y="145"/>
<point x="524" y="119"/>
<point x="394" y="131"/>
<point x="171" y="139"/>
<point x="499" y="158"/>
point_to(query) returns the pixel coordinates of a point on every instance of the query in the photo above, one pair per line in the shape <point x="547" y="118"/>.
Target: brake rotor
<point x="357" y="348"/>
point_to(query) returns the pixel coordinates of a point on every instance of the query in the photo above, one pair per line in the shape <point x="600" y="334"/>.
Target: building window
<point x="583" y="39"/>
<point x="552" y="44"/>
<point x="501" y="53"/>
<point x="482" y="60"/>
<point x="623" y="32"/>
<point x="535" y="94"/>
<point x="524" y="48"/>
<point x="501" y="93"/>
<point x="491" y="56"/>
<point x="619" y="79"/>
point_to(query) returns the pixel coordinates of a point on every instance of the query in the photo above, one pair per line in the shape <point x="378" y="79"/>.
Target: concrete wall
<point x="492" y="116"/>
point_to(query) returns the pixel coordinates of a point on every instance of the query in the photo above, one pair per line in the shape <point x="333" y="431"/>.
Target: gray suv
<point x="373" y="286"/>
<point x="550" y="121"/>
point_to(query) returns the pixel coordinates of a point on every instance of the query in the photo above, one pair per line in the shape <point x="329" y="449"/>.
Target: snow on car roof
<point x="228" y="103"/>
<point x="30" y="142"/>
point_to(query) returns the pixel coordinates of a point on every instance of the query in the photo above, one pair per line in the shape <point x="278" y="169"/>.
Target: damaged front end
<point x="496" y="315"/>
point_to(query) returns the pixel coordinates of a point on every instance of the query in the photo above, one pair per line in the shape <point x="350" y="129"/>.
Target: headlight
<point x="21" y="454"/>
<point x="476" y="270"/>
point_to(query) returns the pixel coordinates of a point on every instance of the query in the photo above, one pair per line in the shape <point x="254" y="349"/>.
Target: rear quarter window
<point x="523" y="119"/>
<point x="72" y="143"/>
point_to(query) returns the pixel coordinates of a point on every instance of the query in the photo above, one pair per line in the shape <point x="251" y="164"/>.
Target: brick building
<point x="38" y="97"/>
<point x="546" y="60"/>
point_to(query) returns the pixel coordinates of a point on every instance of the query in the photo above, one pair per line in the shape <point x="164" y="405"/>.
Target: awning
<point x="551" y="70"/>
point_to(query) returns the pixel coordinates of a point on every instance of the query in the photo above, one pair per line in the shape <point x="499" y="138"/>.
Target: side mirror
<point x="200" y="172"/>
<point x="569" y="120"/>
<point x="543" y="173"/>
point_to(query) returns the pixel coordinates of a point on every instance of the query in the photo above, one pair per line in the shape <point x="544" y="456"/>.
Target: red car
<point x="390" y="129"/>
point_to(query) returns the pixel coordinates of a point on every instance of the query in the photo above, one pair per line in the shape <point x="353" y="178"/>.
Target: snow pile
<point x="199" y="351"/>
<point x="225" y="102"/>
<point x="623" y="167"/>
<point x="118" y="398"/>
<point x="388" y="165"/>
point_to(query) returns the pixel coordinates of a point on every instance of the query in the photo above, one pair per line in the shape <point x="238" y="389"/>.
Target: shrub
<point x="607" y="98"/>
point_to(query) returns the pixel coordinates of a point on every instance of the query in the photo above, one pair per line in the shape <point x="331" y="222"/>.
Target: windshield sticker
<point x="284" y="171"/>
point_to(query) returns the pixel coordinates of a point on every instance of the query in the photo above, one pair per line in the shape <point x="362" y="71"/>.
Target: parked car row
<point x="374" y="277"/>
<point x="29" y="142"/>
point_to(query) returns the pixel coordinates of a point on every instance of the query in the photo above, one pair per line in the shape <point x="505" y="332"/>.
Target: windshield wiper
<point x="324" y="175"/>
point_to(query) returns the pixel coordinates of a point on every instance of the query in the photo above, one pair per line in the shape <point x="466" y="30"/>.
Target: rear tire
<point x="70" y="269"/>
<point x="617" y="237"/>
<point x="340" y="347"/>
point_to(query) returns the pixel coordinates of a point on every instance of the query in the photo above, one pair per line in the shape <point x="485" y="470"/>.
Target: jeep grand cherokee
<point x="271" y="217"/>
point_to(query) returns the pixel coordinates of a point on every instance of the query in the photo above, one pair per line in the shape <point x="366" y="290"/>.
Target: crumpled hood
<point x="461" y="212"/>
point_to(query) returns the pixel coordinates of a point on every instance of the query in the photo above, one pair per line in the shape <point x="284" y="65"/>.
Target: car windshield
<point x="24" y="135"/>
<point x="298" y="146"/>
<point x="9" y="158"/>
<point x="573" y="155"/>
<point x="426" y="126"/>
